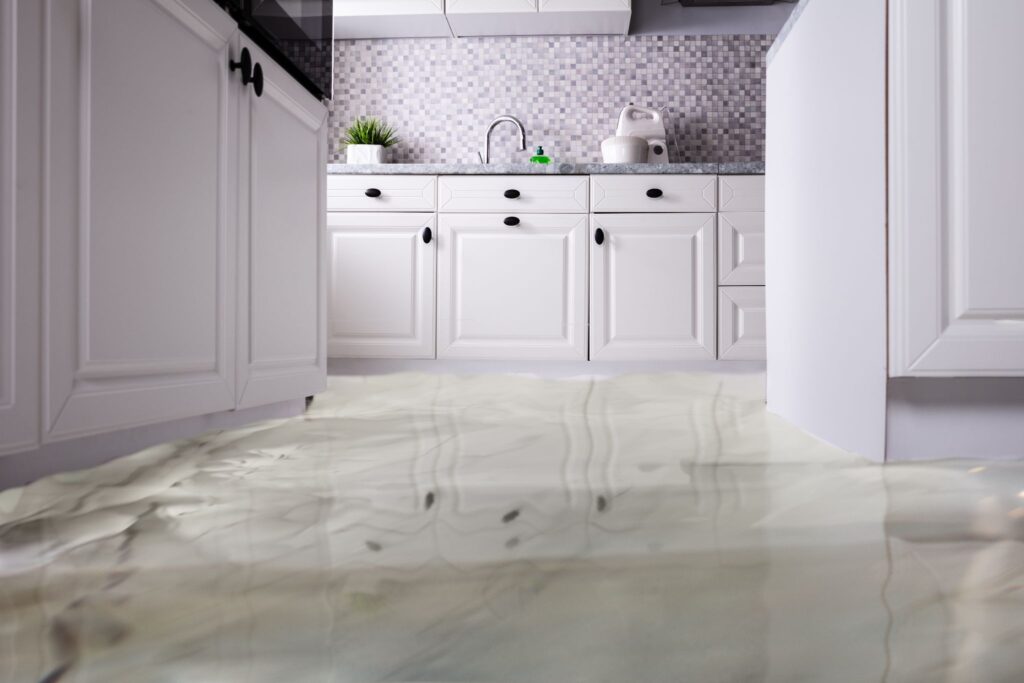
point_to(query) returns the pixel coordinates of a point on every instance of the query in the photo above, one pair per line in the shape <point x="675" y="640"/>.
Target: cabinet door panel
<point x="282" y="273"/>
<point x="955" y="242"/>
<point x="741" y="248"/>
<point x="490" y="6"/>
<point x="20" y="150"/>
<point x="381" y="298"/>
<point x="652" y="291"/>
<point x="512" y="292"/>
<point x="741" y="323"/>
<point x="140" y="232"/>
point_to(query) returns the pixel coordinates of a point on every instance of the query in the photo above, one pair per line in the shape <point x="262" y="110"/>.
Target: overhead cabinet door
<point x="512" y="287"/>
<point x="281" y="288"/>
<point x="140" y="237"/>
<point x="652" y="287"/>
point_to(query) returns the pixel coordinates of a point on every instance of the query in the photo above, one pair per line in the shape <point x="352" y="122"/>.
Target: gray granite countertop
<point x="739" y="168"/>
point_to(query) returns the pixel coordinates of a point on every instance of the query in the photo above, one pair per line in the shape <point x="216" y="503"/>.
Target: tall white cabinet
<point x="282" y="278"/>
<point x="956" y="241"/>
<point x="895" y="292"/>
<point x="140" y="235"/>
<point x="175" y="267"/>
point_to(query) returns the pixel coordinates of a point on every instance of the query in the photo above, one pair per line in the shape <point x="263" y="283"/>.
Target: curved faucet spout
<point x="485" y="154"/>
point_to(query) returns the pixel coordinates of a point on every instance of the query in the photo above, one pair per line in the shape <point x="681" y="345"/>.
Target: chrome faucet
<point x="485" y="155"/>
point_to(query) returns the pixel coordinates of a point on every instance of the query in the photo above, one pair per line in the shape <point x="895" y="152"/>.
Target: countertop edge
<point x="785" y="30"/>
<point x="730" y="168"/>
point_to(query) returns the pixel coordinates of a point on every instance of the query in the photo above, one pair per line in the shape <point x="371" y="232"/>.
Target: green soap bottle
<point x="539" y="157"/>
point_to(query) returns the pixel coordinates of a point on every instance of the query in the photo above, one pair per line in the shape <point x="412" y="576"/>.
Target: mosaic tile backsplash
<point x="568" y="90"/>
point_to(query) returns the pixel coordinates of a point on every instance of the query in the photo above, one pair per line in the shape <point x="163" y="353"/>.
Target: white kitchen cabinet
<point x="955" y="238"/>
<point x="140" y="237"/>
<point x="533" y="17"/>
<point x="21" y="77"/>
<point x="512" y="287"/>
<point x="652" y="287"/>
<point x="381" y="293"/>
<point x="281" y="304"/>
<point x="355" y="19"/>
<point x="741" y="323"/>
<point x="741" y="248"/>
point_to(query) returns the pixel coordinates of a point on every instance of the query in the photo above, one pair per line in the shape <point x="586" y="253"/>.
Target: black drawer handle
<point x="654" y="193"/>
<point x="512" y="221"/>
<point x="373" y="192"/>
<point x="511" y="194"/>
<point x="599" y="236"/>
<point x="427" y="235"/>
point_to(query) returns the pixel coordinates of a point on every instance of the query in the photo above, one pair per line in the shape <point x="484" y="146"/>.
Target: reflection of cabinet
<point x="518" y="491"/>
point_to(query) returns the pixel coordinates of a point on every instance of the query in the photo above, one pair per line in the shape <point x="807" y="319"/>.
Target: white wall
<point x="825" y="225"/>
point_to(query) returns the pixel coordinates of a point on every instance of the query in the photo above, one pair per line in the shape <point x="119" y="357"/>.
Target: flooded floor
<point x="425" y="528"/>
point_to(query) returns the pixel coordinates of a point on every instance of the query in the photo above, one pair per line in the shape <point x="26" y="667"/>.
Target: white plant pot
<point x="365" y="154"/>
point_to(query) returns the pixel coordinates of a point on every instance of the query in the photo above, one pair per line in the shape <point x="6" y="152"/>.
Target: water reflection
<point x="437" y="528"/>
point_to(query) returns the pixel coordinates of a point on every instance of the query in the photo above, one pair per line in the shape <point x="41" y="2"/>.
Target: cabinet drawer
<point x="741" y="248"/>
<point x="741" y="193"/>
<point x="653" y="193"/>
<point x="381" y="193"/>
<point x="741" y="323"/>
<point x="512" y="194"/>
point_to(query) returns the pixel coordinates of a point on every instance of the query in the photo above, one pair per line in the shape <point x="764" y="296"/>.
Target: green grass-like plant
<point x="368" y="130"/>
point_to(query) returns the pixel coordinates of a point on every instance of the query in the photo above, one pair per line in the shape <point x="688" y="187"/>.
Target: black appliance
<point x="298" y="34"/>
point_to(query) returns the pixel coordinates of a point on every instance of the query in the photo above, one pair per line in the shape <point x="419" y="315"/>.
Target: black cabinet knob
<point x="511" y="194"/>
<point x="372" y="192"/>
<point x="599" y="236"/>
<point x="257" y="79"/>
<point x="427" y="235"/>
<point x="244" y="63"/>
<point x="654" y="193"/>
<point x="511" y="221"/>
<point x="251" y="73"/>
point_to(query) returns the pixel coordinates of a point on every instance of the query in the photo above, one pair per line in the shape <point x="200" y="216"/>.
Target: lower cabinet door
<point x="282" y="277"/>
<point x="741" y="323"/>
<point x="381" y="294"/>
<point x="652" y="287"/>
<point x="512" y="287"/>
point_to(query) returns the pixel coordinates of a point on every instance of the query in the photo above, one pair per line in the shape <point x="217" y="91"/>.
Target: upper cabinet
<point x="955" y="241"/>
<point x="437" y="18"/>
<point x="390" y="19"/>
<point x="538" y="17"/>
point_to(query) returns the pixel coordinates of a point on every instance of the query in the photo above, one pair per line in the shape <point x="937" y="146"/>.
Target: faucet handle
<point x="480" y="156"/>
